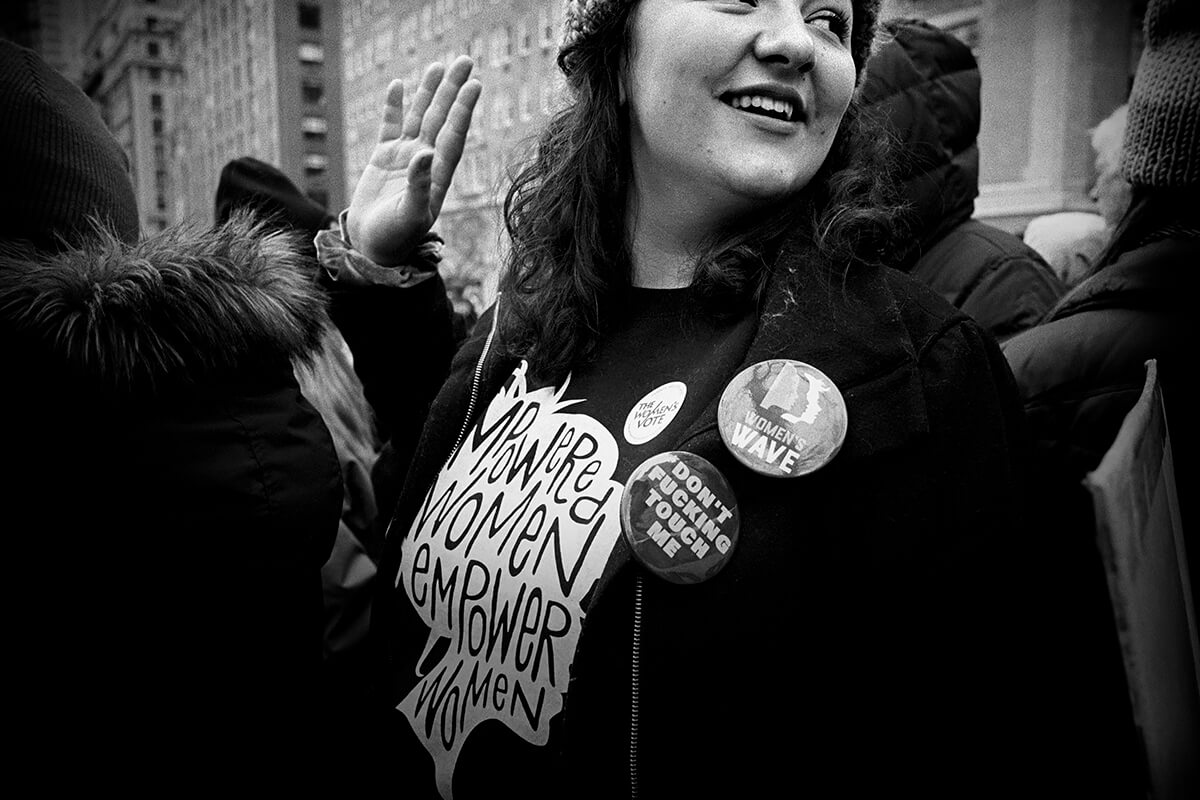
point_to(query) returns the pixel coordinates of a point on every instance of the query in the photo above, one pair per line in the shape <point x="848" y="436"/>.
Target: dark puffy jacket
<point x="1080" y="373"/>
<point x="925" y="82"/>
<point x="850" y="639"/>
<point x="174" y="499"/>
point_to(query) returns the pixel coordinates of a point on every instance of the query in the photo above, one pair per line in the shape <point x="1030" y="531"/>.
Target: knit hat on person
<point x="584" y="17"/>
<point x="249" y="182"/>
<point x="62" y="165"/>
<point x="1162" y="133"/>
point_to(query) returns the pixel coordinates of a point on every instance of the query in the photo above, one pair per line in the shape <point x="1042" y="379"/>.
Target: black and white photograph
<point x="640" y="399"/>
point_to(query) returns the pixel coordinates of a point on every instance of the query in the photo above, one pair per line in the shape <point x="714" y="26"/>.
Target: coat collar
<point x="170" y="310"/>
<point x="851" y="328"/>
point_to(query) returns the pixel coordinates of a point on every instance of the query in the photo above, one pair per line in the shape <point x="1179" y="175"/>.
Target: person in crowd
<point x="1071" y="241"/>
<point x="1083" y="368"/>
<point x="1111" y="191"/>
<point x="925" y="82"/>
<point x="465" y="315"/>
<point x="171" y="495"/>
<point x="713" y="501"/>
<point x="329" y="382"/>
<point x="248" y="182"/>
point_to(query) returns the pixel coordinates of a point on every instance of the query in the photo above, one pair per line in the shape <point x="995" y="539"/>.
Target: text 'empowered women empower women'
<point x="513" y="535"/>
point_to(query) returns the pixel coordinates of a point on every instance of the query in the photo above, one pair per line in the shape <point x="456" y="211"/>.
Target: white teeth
<point x="783" y="107"/>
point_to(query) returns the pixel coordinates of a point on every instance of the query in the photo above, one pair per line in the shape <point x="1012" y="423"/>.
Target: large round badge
<point x="680" y="517"/>
<point x="782" y="418"/>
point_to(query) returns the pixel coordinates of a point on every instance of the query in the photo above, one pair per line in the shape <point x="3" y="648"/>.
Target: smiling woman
<point x="713" y="501"/>
<point x="702" y="114"/>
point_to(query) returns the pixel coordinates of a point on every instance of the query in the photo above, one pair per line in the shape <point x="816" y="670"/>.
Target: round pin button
<point x="680" y="517"/>
<point x="653" y="413"/>
<point x="782" y="418"/>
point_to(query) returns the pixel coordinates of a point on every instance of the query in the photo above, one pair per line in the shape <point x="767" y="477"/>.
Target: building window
<point x="524" y="106"/>
<point x="315" y="164"/>
<point x="312" y="53"/>
<point x="156" y="101"/>
<point x="499" y="49"/>
<point x="155" y="73"/>
<point x="523" y="38"/>
<point x="503" y="111"/>
<point x="152" y="49"/>
<point x="161" y="201"/>
<point x="548" y="99"/>
<point x="312" y="92"/>
<point x="310" y="16"/>
<point x="546" y="33"/>
<point x="157" y="125"/>
<point x="151" y="24"/>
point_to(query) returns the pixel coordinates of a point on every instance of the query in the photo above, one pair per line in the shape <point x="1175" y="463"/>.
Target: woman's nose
<point x="785" y="39"/>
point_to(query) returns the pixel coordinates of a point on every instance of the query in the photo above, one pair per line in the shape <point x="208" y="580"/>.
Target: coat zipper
<point x="487" y="346"/>
<point x="635" y="688"/>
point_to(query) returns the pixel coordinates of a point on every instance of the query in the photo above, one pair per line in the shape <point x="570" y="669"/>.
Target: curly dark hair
<point x="569" y="260"/>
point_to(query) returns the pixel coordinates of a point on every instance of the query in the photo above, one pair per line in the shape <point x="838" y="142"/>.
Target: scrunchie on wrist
<point x="347" y="266"/>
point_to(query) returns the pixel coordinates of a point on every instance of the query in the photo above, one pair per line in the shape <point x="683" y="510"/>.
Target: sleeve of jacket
<point x="402" y="340"/>
<point x="1014" y="294"/>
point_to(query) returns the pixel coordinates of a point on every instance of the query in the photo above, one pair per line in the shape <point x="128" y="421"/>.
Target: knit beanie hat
<point x="61" y="163"/>
<point x="584" y="17"/>
<point x="1162" y="133"/>
<point x="248" y="182"/>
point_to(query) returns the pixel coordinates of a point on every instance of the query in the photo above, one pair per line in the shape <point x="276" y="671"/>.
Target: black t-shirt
<point x="516" y="560"/>
<point x="659" y="339"/>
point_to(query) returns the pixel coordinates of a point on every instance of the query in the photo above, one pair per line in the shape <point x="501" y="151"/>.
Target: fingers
<point x="393" y="108"/>
<point x="420" y="104"/>
<point x="444" y="99"/>
<point x="452" y="139"/>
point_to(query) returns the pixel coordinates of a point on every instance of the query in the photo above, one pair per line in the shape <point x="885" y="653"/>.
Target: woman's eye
<point x="832" y="21"/>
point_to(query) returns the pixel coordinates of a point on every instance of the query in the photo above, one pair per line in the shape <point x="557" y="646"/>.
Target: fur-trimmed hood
<point x="171" y="310"/>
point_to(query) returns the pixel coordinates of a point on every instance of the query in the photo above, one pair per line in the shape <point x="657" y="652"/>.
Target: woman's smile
<point x="738" y="102"/>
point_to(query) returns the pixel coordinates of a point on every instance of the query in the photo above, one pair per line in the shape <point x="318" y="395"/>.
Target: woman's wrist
<point x="344" y="264"/>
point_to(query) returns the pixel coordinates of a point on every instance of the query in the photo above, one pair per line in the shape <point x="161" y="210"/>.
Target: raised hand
<point x="401" y="191"/>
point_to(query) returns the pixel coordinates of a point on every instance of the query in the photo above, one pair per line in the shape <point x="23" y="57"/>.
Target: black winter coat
<point x="926" y="85"/>
<point x="174" y="499"/>
<point x="1080" y="373"/>
<point x="869" y="631"/>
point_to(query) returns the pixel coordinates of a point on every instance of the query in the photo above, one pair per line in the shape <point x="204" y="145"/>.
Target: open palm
<point x="401" y="191"/>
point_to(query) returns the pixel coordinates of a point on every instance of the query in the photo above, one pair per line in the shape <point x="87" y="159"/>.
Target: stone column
<point x="1051" y="70"/>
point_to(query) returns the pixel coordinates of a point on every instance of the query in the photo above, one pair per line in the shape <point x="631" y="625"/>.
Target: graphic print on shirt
<point x="515" y="531"/>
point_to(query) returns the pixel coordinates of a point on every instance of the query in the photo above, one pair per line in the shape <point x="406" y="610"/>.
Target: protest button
<point x="782" y="418"/>
<point x="653" y="413"/>
<point x="680" y="517"/>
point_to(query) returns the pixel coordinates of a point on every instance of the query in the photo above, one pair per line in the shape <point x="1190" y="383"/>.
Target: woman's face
<point x="736" y="102"/>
